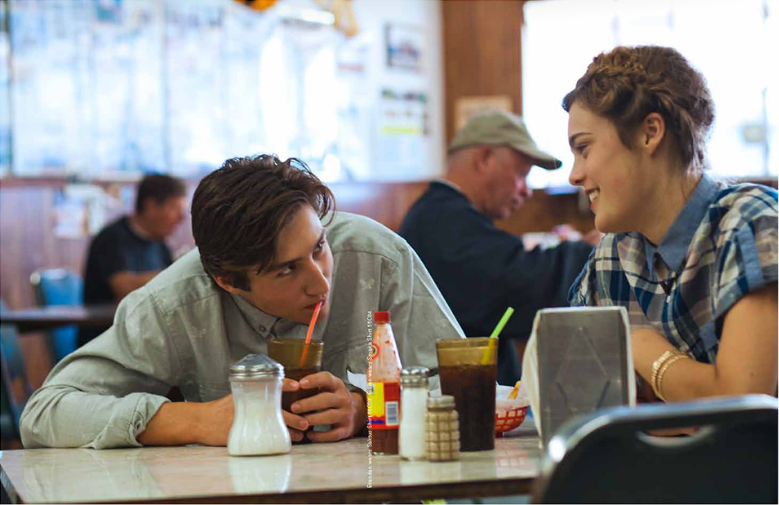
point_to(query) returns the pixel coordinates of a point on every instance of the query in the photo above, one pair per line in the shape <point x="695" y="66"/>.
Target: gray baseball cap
<point x="498" y="128"/>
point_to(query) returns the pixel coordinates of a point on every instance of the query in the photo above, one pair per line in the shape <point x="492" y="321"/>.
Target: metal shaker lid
<point x="414" y="376"/>
<point x="440" y="402"/>
<point x="256" y="366"/>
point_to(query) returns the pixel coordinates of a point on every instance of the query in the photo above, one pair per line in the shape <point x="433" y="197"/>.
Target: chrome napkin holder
<point x="585" y="363"/>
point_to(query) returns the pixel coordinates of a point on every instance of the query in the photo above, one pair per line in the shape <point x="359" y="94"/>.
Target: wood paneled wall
<point x="27" y="240"/>
<point x="482" y="52"/>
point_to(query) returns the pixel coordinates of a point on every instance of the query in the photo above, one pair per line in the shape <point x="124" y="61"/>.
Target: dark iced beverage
<point x="473" y="388"/>
<point x="468" y="371"/>
<point x="290" y="397"/>
<point x="298" y="362"/>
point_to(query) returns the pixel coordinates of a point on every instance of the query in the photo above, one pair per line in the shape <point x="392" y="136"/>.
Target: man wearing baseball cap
<point x="479" y="268"/>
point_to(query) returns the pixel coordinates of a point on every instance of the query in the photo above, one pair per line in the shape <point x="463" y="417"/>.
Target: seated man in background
<point x="129" y="252"/>
<point x="268" y="250"/>
<point x="479" y="268"/>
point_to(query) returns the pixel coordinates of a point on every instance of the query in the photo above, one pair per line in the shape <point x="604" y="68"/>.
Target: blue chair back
<point x="59" y="287"/>
<point x="609" y="456"/>
<point x="15" y="386"/>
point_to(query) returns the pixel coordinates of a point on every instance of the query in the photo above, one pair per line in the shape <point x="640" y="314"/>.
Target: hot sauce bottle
<point x="383" y="387"/>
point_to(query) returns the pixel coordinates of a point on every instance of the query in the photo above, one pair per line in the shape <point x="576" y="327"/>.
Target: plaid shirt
<point x="722" y="246"/>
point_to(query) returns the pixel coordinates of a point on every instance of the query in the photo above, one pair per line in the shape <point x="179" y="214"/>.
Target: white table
<point x="321" y="473"/>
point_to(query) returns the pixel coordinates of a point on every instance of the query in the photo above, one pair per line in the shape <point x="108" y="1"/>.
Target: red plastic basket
<point x="508" y="415"/>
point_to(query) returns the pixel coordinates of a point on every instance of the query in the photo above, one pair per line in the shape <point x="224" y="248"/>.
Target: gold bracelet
<point x="661" y="374"/>
<point x="659" y="362"/>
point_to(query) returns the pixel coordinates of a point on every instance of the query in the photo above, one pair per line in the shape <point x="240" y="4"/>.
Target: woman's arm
<point x="746" y="360"/>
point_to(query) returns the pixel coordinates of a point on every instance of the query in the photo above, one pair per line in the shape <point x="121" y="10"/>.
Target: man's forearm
<point x="182" y="423"/>
<point x="174" y="424"/>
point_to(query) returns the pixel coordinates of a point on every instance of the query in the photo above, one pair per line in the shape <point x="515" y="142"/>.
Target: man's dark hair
<point x="158" y="187"/>
<point x="239" y="211"/>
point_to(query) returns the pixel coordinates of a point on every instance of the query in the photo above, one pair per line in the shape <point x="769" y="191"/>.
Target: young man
<point x="480" y="268"/>
<point x="129" y="252"/>
<point x="264" y="260"/>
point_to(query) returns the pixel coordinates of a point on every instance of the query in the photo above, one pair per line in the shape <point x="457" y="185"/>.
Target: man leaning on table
<point x="269" y="247"/>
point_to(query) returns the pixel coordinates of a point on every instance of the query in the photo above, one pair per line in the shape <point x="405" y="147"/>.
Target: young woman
<point x="694" y="261"/>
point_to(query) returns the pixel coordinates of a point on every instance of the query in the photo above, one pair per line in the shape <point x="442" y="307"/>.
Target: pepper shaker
<point x="442" y="429"/>
<point x="413" y="407"/>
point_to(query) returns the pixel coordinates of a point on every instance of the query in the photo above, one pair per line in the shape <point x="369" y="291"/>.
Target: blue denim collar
<point x="673" y="247"/>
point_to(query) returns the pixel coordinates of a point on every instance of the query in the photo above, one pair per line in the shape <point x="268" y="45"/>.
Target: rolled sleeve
<point x="104" y="394"/>
<point x="747" y="262"/>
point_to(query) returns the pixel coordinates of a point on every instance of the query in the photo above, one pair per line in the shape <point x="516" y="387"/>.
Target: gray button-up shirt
<point x="182" y="330"/>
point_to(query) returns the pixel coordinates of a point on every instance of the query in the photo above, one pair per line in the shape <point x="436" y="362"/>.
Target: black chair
<point x="608" y="457"/>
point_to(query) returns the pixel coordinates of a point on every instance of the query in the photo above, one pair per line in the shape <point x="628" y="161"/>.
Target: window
<point x="735" y="45"/>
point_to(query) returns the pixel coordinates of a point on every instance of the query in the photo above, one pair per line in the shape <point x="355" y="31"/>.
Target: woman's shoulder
<point x="746" y="200"/>
<point x="743" y="205"/>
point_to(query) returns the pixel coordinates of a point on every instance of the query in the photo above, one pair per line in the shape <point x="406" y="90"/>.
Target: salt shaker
<point x="442" y="429"/>
<point x="413" y="407"/>
<point x="258" y="424"/>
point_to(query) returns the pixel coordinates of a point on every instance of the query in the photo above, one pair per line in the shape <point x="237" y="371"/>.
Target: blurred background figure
<point x="129" y="252"/>
<point x="480" y="268"/>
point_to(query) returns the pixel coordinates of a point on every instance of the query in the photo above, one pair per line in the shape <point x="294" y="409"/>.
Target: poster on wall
<point x="403" y="127"/>
<point x="468" y="106"/>
<point x="405" y="46"/>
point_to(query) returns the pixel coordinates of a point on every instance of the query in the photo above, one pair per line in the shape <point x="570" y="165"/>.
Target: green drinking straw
<point x="499" y="328"/>
<point x="502" y="322"/>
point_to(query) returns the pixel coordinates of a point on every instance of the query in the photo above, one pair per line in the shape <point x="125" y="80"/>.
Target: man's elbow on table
<point x="37" y="425"/>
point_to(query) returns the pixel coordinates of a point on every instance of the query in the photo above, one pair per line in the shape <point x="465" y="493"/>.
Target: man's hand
<point x="334" y="405"/>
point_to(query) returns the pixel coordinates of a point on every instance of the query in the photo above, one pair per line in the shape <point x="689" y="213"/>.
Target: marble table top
<point x="322" y="473"/>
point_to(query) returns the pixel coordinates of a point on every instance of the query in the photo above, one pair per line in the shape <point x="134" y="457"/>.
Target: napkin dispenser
<point x="584" y="363"/>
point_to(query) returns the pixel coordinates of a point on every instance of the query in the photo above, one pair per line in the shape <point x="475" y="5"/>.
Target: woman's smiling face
<point x="608" y="171"/>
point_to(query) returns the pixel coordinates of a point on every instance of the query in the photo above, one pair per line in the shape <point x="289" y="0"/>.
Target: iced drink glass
<point x="288" y="351"/>
<point x="468" y="371"/>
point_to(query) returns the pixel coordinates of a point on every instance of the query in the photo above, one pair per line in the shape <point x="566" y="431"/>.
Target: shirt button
<point x="262" y="328"/>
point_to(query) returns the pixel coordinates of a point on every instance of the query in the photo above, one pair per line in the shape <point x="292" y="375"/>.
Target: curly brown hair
<point x="628" y="83"/>
<point x="239" y="210"/>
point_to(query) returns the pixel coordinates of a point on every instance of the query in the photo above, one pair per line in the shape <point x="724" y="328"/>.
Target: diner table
<point x="340" y="472"/>
<point x="52" y="316"/>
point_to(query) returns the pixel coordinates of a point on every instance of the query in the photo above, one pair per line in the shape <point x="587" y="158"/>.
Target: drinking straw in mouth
<point x="499" y="328"/>
<point x="309" y="333"/>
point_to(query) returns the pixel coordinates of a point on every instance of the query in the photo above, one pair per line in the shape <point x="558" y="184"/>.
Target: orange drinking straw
<point x="310" y="331"/>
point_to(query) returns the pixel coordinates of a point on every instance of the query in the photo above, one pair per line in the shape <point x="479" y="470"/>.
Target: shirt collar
<point x="673" y="247"/>
<point x="452" y="185"/>
<point x="259" y="320"/>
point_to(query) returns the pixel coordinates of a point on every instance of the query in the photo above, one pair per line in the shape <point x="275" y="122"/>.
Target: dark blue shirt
<point x="118" y="249"/>
<point x="481" y="270"/>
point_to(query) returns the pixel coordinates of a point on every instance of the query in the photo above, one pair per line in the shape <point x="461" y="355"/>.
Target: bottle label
<point x="384" y="405"/>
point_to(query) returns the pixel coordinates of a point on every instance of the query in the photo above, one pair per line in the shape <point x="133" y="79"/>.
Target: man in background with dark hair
<point x="269" y="248"/>
<point x="129" y="252"/>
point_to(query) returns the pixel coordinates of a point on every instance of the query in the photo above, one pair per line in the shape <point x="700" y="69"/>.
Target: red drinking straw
<point x="310" y="331"/>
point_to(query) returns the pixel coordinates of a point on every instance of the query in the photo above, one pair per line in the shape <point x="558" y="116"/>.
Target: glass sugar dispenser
<point x="413" y="408"/>
<point x="442" y="429"/>
<point x="258" y="424"/>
